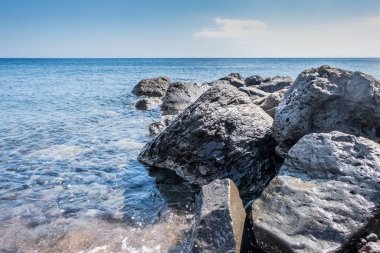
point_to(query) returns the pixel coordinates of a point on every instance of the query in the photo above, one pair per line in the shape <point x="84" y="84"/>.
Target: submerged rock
<point x="147" y="103"/>
<point x="327" y="99"/>
<point x="152" y="87"/>
<point x="179" y="96"/>
<point x="219" y="220"/>
<point x="325" y="195"/>
<point x="270" y="102"/>
<point x="157" y="127"/>
<point x="221" y="135"/>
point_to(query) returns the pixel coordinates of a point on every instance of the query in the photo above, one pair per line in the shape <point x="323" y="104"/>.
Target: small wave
<point x="128" y="144"/>
<point x="60" y="152"/>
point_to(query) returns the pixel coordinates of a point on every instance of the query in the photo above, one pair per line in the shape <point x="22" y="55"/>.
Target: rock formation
<point x="152" y="87"/>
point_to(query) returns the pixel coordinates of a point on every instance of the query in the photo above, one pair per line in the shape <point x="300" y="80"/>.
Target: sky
<point x="189" y="28"/>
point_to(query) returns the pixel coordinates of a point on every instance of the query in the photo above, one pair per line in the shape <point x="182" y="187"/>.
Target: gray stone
<point x="275" y="84"/>
<point x="179" y="96"/>
<point x="219" y="220"/>
<point x="253" y="92"/>
<point x="221" y="135"/>
<point x="270" y="102"/>
<point x="152" y="87"/>
<point x="235" y="79"/>
<point x="147" y="103"/>
<point x="372" y="237"/>
<point x="325" y="195"/>
<point x="157" y="127"/>
<point x="256" y="80"/>
<point x="327" y="99"/>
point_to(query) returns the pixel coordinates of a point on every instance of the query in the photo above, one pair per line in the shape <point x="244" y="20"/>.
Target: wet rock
<point x="157" y="127"/>
<point x="372" y="237"/>
<point x="327" y="99"/>
<point x="220" y="218"/>
<point x="235" y="79"/>
<point x="270" y="102"/>
<point x="147" y="103"/>
<point x="152" y="87"/>
<point x="221" y="135"/>
<point x="325" y="195"/>
<point x="253" y="92"/>
<point x="179" y="96"/>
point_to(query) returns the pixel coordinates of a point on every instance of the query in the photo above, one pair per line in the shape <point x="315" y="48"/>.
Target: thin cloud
<point x="234" y="29"/>
<point x="374" y="21"/>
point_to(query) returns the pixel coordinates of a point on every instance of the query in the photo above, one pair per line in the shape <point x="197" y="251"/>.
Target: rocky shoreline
<point x="289" y="166"/>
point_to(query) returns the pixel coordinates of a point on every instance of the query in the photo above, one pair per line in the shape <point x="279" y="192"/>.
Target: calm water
<point x="69" y="138"/>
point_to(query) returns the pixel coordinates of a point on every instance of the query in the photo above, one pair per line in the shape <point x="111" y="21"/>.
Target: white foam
<point x="128" y="144"/>
<point x="60" y="152"/>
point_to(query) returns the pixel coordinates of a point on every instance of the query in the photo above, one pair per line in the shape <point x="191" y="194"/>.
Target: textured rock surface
<point x="324" y="198"/>
<point x="157" y="127"/>
<point x="371" y="247"/>
<point x="327" y="99"/>
<point x="253" y="92"/>
<point x="256" y="80"/>
<point x="220" y="218"/>
<point x="222" y="135"/>
<point x="179" y="96"/>
<point x="275" y="84"/>
<point x="152" y="87"/>
<point x="235" y="79"/>
<point x="270" y="102"/>
<point x="147" y="103"/>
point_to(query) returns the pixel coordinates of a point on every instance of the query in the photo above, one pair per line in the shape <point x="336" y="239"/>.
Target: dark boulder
<point x="221" y="135"/>
<point x="152" y="87"/>
<point x="157" y="127"/>
<point x="147" y="103"/>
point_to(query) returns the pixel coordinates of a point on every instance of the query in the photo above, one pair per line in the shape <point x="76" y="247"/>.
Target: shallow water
<point x="69" y="138"/>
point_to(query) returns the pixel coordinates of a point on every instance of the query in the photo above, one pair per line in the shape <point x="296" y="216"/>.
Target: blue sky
<point x="189" y="28"/>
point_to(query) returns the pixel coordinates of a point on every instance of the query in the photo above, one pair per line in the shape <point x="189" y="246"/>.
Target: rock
<point x="270" y="102"/>
<point x="372" y="237"/>
<point x="221" y="135"/>
<point x="256" y="80"/>
<point x="235" y="79"/>
<point x="147" y="103"/>
<point x="157" y="127"/>
<point x="152" y="87"/>
<point x="371" y="247"/>
<point x="275" y="84"/>
<point x="325" y="195"/>
<point x="327" y="99"/>
<point x="220" y="218"/>
<point x="253" y="92"/>
<point x="179" y="96"/>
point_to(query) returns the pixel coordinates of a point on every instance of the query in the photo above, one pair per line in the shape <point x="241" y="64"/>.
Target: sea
<point x="69" y="139"/>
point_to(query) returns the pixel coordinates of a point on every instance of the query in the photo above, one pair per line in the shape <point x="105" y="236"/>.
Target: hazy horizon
<point x="192" y="29"/>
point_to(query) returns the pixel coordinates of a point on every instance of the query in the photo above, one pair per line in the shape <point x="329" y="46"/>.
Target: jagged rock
<point x="371" y="247"/>
<point x="219" y="220"/>
<point x="147" y="103"/>
<point x="325" y="195"/>
<point x="270" y="102"/>
<point x="253" y="92"/>
<point x="221" y="135"/>
<point x="235" y="79"/>
<point x="256" y="80"/>
<point x="179" y="96"/>
<point x="327" y="99"/>
<point x="275" y="84"/>
<point x="152" y="87"/>
<point x="157" y="127"/>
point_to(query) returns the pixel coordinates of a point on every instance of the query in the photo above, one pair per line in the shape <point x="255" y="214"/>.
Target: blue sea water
<point x="69" y="139"/>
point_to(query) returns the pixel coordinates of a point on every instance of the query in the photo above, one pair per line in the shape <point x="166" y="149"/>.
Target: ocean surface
<point x="69" y="138"/>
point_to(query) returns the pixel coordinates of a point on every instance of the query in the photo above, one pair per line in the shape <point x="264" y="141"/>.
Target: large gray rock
<point x="270" y="102"/>
<point x="219" y="220"/>
<point x="157" y="127"/>
<point x="147" y="103"/>
<point x="324" y="198"/>
<point x="152" y="87"/>
<point x="235" y="79"/>
<point x="254" y="93"/>
<point x="221" y="135"/>
<point x="256" y="80"/>
<point x="179" y="96"/>
<point x="327" y="99"/>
